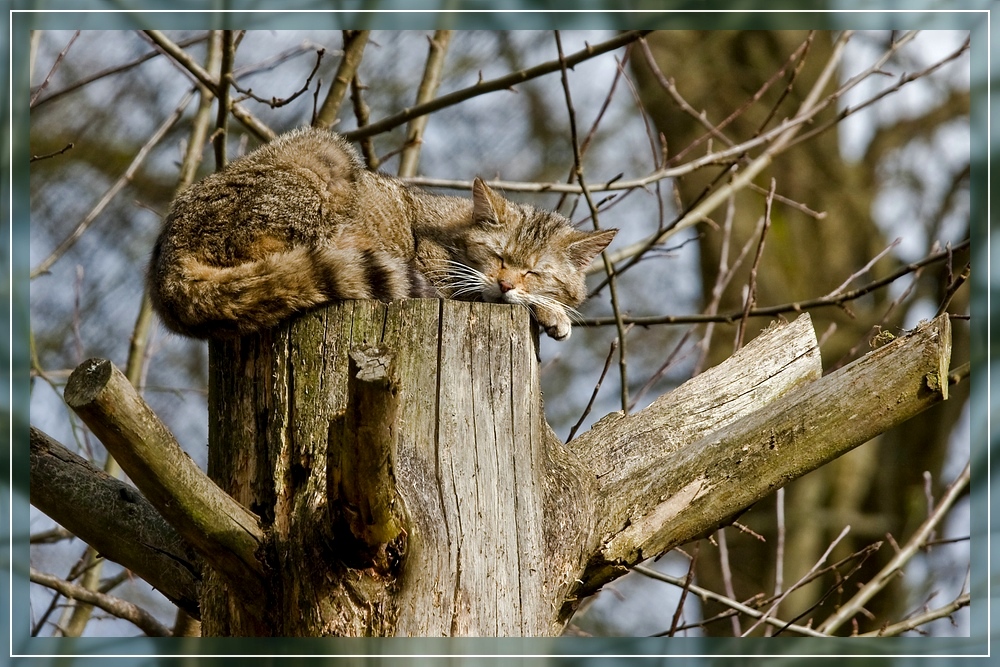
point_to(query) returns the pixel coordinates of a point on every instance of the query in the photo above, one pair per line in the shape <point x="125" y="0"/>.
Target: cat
<point x="300" y="222"/>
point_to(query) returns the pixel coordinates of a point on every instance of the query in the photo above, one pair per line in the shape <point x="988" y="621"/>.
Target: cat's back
<point x="284" y="190"/>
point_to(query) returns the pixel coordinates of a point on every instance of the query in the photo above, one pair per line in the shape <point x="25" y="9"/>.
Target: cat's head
<point x="517" y="254"/>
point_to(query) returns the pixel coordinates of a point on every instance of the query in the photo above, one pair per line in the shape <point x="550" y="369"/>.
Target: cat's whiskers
<point x="460" y="279"/>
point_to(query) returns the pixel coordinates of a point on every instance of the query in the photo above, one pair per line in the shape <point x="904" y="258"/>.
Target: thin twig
<point x="952" y="288"/>
<point x="778" y="140"/>
<point x="113" y="605"/>
<point x="585" y="144"/>
<point x="608" y="266"/>
<point x="597" y="388"/>
<point x="896" y="629"/>
<point x="361" y="116"/>
<point x="221" y="135"/>
<point x="277" y="102"/>
<point x="779" y="549"/>
<point x="902" y="81"/>
<point x="792" y="307"/>
<point x="706" y="594"/>
<point x="723" y="276"/>
<point x="958" y="374"/>
<point x="805" y="115"/>
<point x="47" y="156"/>
<point x="864" y="269"/>
<point x="138" y="352"/>
<point x="668" y="363"/>
<point x="118" y="69"/>
<point x="895" y="565"/>
<point x="685" y="588"/>
<point x="52" y="70"/>
<point x="187" y="64"/>
<point x="822" y="559"/>
<point x="727" y="575"/>
<point x="859" y="557"/>
<point x="752" y="282"/>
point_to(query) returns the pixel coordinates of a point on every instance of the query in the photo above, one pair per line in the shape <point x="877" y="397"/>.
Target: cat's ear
<point x="583" y="250"/>
<point x="485" y="204"/>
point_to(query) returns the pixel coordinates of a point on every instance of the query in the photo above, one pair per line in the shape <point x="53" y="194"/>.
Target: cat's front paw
<point x="555" y="323"/>
<point x="560" y="331"/>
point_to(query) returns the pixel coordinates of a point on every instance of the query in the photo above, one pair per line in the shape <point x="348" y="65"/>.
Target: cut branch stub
<point x="709" y="480"/>
<point x="224" y="532"/>
<point x="365" y="508"/>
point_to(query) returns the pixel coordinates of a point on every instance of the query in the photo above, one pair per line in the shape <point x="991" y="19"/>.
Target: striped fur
<point x="206" y="301"/>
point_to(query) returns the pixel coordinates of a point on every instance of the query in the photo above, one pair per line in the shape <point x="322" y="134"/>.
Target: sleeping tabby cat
<point x="300" y="222"/>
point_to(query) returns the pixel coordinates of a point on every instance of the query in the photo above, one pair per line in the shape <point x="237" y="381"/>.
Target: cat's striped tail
<point x="198" y="299"/>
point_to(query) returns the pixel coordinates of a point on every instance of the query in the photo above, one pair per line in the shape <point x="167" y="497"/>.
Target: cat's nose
<point x="505" y="286"/>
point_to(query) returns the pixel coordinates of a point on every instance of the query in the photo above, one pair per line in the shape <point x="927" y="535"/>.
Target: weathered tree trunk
<point x="399" y="460"/>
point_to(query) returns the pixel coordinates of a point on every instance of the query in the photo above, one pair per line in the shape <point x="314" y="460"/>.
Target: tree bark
<point x="429" y="524"/>
<point x="115" y="519"/>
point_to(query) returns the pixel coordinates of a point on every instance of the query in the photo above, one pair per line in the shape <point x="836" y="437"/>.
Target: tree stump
<point x="387" y="469"/>
<point x="400" y="463"/>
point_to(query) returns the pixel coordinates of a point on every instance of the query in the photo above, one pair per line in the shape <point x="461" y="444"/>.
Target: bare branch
<point x="354" y="48"/>
<point x="114" y="518"/>
<point x="221" y="135"/>
<point x="114" y="606"/>
<point x="493" y="85"/>
<point x="706" y="473"/>
<point x="437" y="48"/>
<point x="361" y="115"/>
<point x="225" y="533"/>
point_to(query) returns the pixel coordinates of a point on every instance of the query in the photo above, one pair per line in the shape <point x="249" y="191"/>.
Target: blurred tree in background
<point x="755" y="79"/>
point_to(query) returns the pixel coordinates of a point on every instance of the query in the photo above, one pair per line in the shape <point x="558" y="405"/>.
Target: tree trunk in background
<point x="877" y="488"/>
